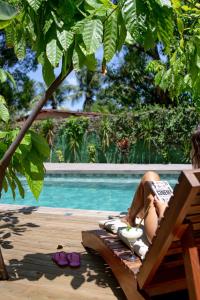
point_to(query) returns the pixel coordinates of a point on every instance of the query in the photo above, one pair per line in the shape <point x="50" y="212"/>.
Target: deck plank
<point x="27" y="243"/>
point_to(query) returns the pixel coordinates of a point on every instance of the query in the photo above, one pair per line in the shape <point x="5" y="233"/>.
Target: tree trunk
<point x="4" y="162"/>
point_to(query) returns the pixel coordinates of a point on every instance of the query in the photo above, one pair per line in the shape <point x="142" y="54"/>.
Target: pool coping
<point x="58" y="211"/>
<point x="94" y="168"/>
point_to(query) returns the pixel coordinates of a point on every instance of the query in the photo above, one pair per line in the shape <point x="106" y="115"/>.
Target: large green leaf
<point x="4" y="114"/>
<point x="65" y="38"/>
<point x="162" y="24"/>
<point x="20" y="42"/>
<point x="47" y="25"/>
<point x="130" y="15"/>
<point x="10" y="77"/>
<point x="25" y="146"/>
<point x="3" y="76"/>
<point x="97" y="8"/>
<point x="78" y="59"/>
<point x="164" y="3"/>
<point x="4" y="24"/>
<point x="48" y="72"/>
<point x="3" y="134"/>
<point x="93" y="4"/>
<point x="198" y="60"/>
<point x="135" y="14"/>
<point x="34" y="171"/>
<point x="11" y="183"/>
<point x="110" y="36"/>
<point x="5" y="184"/>
<point x="78" y="27"/>
<point x="35" y="4"/>
<point x="2" y="100"/>
<point x="20" y="186"/>
<point x="40" y="144"/>
<point x="92" y="35"/>
<point x="58" y="21"/>
<point x="108" y="4"/>
<point x="33" y="166"/>
<point x="122" y="32"/>
<point x="35" y="186"/>
<point x="53" y="52"/>
<point x="7" y="12"/>
<point x="17" y="182"/>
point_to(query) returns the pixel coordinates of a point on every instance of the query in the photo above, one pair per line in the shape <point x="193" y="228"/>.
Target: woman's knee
<point x="150" y="175"/>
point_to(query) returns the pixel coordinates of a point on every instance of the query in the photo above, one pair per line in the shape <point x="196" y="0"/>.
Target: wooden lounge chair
<point x="172" y="262"/>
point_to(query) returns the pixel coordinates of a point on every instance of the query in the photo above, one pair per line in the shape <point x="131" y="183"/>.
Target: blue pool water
<point x="86" y="191"/>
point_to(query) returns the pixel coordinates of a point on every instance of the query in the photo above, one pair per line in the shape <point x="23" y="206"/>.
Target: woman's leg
<point x="155" y="210"/>
<point x="138" y="206"/>
<point x="151" y="216"/>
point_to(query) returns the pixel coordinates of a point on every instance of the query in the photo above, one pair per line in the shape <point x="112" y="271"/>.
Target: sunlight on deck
<point x="28" y="238"/>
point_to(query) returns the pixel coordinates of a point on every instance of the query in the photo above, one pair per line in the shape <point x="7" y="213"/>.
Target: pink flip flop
<point x="60" y="258"/>
<point x="74" y="259"/>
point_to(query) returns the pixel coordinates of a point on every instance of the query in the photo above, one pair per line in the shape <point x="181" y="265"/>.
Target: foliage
<point x="182" y="73"/>
<point x="150" y="134"/>
<point x="91" y="149"/>
<point x="17" y="89"/>
<point x="28" y="158"/>
<point x="7" y="13"/>
<point x="59" y="155"/>
<point x="73" y="133"/>
<point x="72" y="31"/>
<point x="47" y="131"/>
<point x="128" y="82"/>
<point x="4" y="114"/>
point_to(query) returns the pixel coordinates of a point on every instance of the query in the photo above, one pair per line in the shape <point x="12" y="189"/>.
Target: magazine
<point x="162" y="190"/>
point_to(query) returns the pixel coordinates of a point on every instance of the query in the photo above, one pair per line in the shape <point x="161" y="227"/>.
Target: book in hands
<point x="162" y="190"/>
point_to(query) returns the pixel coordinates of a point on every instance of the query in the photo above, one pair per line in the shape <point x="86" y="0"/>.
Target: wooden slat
<point x="193" y="218"/>
<point x="167" y="280"/>
<point x="194" y="209"/>
<point x="191" y="263"/>
<point x="173" y="218"/>
<point x="166" y="287"/>
<point x="196" y="200"/>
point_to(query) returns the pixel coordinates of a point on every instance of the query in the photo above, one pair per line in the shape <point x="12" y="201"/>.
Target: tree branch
<point x="4" y="162"/>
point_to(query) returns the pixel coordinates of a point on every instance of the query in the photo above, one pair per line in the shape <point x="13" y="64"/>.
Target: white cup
<point x="132" y="234"/>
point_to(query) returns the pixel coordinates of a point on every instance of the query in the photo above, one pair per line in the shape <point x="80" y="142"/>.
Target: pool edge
<point x="58" y="211"/>
<point x="114" y="168"/>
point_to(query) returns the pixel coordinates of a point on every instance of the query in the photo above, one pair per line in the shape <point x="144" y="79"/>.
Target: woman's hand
<point x="160" y="207"/>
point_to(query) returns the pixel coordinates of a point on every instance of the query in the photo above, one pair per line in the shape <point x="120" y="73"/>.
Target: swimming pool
<point x="85" y="191"/>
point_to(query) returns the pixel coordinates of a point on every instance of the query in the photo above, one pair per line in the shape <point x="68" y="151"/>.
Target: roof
<point x="60" y="114"/>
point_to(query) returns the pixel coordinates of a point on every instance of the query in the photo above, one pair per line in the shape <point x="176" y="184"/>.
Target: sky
<point x="72" y="80"/>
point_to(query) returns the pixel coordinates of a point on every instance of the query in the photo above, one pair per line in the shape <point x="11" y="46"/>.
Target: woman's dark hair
<point x="196" y="148"/>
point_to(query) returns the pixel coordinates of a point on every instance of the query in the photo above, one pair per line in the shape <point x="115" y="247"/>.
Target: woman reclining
<point x="146" y="204"/>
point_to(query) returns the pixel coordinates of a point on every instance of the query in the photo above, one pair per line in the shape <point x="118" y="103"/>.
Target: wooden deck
<point x="28" y="238"/>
